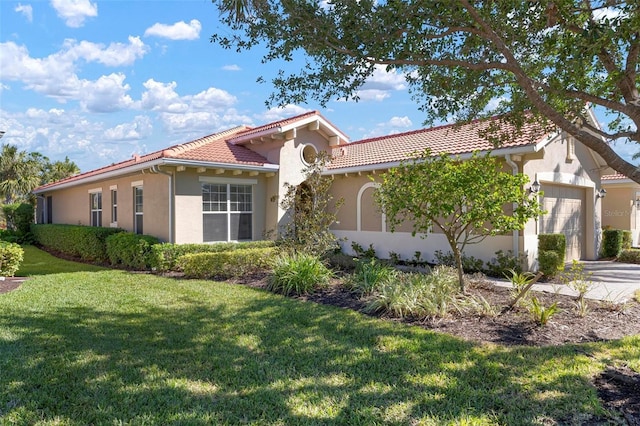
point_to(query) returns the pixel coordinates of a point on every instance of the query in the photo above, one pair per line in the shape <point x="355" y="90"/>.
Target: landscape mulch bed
<point x="618" y="388"/>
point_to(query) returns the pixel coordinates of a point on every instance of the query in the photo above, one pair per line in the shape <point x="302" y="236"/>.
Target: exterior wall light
<point x="601" y="193"/>
<point x="535" y="187"/>
<point x="638" y="200"/>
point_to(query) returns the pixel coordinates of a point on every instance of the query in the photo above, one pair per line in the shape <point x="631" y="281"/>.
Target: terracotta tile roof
<point x="276" y="124"/>
<point x="616" y="176"/>
<point x="450" y="139"/>
<point x="212" y="148"/>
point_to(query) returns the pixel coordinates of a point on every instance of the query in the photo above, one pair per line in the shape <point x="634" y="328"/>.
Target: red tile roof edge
<point x="275" y="124"/>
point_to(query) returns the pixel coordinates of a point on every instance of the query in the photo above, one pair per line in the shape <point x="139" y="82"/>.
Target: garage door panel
<point x="566" y="215"/>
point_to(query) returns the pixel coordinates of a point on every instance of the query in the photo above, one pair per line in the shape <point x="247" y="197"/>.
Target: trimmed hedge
<point x="551" y="253"/>
<point x="130" y="250"/>
<point x="612" y="240"/>
<point x="11" y="256"/>
<point x="19" y="217"/>
<point x="165" y="255"/>
<point x="225" y="264"/>
<point x="629" y="256"/>
<point x="85" y="242"/>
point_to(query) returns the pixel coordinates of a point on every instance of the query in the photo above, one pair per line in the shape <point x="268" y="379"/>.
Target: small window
<point x="227" y="211"/>
<point x="114" y="205"/>
<point x="95" y="200"/>
<point x="137" y="211"/>
<point x="309" y="154"/>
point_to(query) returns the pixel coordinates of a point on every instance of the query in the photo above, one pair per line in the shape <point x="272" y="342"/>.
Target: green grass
<point x="112" y="347"/>
<point x="38" y="262"/>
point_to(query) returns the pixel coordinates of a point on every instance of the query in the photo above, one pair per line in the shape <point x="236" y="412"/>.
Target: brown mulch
<point x="618" y="388"/>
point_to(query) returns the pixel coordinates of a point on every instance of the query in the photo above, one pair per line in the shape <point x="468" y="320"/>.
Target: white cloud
<point x="232" y="67"/>
<point x="107" y="94"/>
<point x="26" y="10"/>
<point x="211" y="98"/>
<point x="380" y="85"/>
<point x="162" y="97"/>
<point x="393" y="125"/>
<point x="178" y="31"/>
<point x="280" y="113"/>
<point x="138" y="129"/>
<point x="116" y="54"/>
<point x="74" y="12"/>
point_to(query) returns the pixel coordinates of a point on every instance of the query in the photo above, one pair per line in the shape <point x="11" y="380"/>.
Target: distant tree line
<point x="21" y="172"/>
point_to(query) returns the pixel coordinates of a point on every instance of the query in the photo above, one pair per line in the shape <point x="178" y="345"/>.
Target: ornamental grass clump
<point x="420" y="296"/>
<point x="298" y="273"/>
<point x="369" y="275"/>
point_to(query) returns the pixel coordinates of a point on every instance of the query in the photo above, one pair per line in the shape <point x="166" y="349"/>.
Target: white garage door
<point x="565" y="206"/>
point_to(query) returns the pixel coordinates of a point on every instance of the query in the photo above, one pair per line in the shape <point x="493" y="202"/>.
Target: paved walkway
<point x="611" y="281"/>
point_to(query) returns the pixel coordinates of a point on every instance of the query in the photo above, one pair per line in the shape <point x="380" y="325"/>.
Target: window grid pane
<point x="95" y="204"/>
<point x="241" y="198"/>
<point x="214" y="197"/>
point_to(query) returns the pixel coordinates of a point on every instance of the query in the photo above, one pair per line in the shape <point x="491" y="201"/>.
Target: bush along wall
<point x="614" y="241"/>
<point x="130" y="250"/>
<point x="86" y="242"/>
<point x="164" y="257"/>
<point x="19" y="217"/>
<point x="551" y="253"/>
<point x="11" y="255"/>
<point x="225" y="264"/>
<point x="629" y="256"/>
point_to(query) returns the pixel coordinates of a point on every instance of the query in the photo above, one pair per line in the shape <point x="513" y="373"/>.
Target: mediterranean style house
<point x="227" y="186"/>
<point x="621" y="207"/>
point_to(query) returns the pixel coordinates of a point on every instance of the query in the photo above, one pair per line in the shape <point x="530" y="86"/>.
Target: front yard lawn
<point x="113" y="347"/>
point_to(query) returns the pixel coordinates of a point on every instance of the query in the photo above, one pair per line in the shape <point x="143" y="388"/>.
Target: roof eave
<point x="463" y="156"/>
<point x="159" y="162"/>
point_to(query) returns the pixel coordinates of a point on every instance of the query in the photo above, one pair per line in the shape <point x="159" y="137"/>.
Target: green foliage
<point x="612" y="242"/>
<point x="21" y="172"/>
<point x="549" y="263"/>
<point x="341" y="261"/>
<point x="543" y="60"/>
<point x="627" y="239"/>
<point x="312" y="210"/>
<point x="85" y="242"/>
<point x="541" y="314"/>
<point x="466" y="200"/>
<point x="361" y="252"/>
<point x="165" y="255"/>
<point x="11" y="256"/>
<point x="420" y="296"/>
<point x="551" y="253"/>
<point x="470" y="264"/>
<point x="577" y="279"/>
<point x="629" y="256"/>
<point x="225" y="264"/>
<point x="298" y="273"/>
<point x="369" y="275"/>
<point x="504" y="263"/>
<point x="130" y="250"/>
<point x="19" y="217"/>
<point x="519" y="281"/>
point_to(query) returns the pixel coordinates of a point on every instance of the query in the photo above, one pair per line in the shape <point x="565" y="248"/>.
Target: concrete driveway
<point x="611" y="281"/>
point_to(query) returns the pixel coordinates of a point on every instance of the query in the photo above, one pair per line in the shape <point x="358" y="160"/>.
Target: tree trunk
<point x="458" y="257"/>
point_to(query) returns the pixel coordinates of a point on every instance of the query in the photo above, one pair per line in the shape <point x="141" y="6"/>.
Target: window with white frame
<point x="95" y="203"/>
<point x="227" y="211"/>
<point x="137" y="210"/>
<point x="114" y="205"/>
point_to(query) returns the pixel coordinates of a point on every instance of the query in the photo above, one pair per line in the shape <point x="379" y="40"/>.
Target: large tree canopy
<point x="463" y="59"/>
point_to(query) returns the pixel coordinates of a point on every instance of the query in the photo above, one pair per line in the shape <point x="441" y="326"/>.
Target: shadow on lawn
<point x="267" y="360"/>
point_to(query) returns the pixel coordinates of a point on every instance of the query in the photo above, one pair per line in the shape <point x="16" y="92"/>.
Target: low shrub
<point x="11" y="256"/>
<point x="130" y="250"/>
<point x="19" y="217"/>
<point x="369" y="275"/>
<point x="470" y="264"/>
<point x="341" y="261"/>
<point x="612" y="242"/>
<point x="86" y="242"/>
<point x="549" y="263"/>
<point x="9" y="236"/>
<point x="504" y="262"/>
<point x="225" y="264"/>
<point x="629" y="256"/>
<point x="165" y="256"/>
<point x="298" y="273"/>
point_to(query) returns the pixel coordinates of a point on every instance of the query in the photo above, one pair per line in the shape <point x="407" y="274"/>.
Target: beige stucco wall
<point x="558" y="164"/>
<point x="71" y="205"/>
<point x="619" y="210"/>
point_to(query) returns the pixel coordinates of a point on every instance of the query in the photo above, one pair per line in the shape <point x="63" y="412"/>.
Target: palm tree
<point x="19" y="173"/>
<point x="59" y="170"/>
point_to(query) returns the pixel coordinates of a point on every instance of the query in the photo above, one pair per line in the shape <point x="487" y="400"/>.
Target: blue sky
<point x="99" y="81"/>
